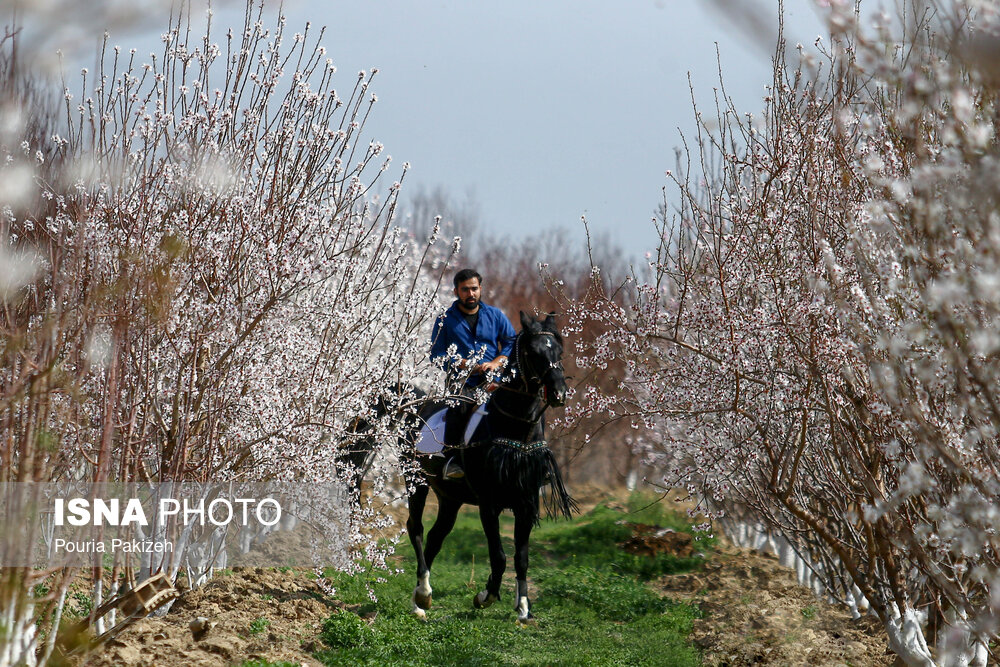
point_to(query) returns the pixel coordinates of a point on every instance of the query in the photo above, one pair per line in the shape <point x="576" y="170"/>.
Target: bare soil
<point x="755" y="613"/>
<point x="291" y="604"/>
<point x="649" y="540"/>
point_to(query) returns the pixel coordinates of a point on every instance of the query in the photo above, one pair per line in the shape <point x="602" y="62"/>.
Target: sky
<point x="545" y="111"/>
<point x="540" y="112"/>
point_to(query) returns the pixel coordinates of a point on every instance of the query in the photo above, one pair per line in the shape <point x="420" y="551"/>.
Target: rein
<point x="540" y="395"/>
<point x="532" y="422"/>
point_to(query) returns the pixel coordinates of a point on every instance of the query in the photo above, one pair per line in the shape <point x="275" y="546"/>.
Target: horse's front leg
<point x="490" y="518"/>
<point x="522" y="532"/>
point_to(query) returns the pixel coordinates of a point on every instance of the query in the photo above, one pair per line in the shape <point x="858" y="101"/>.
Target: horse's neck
<point x="523" y="407"/>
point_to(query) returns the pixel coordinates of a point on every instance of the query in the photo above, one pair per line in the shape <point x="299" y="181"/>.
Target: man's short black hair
<point x="467" y="274"/>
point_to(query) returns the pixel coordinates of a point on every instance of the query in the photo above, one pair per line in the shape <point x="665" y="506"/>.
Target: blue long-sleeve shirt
<point x="494" y="335"/>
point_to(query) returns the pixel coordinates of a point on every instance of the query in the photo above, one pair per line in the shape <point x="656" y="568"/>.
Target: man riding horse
<point x="483" y="337"/>
<point x="507" y="461"/>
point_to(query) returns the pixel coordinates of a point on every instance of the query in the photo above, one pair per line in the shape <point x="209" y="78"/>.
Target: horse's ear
<point x="550" y="321"/>
<point x="527" y="321"/>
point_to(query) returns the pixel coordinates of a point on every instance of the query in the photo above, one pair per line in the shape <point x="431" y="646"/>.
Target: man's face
<point x="468" y="293"/>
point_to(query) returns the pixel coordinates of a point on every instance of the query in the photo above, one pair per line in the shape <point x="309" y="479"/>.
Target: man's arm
<point x="505" y="339"/>
<point x="505" y="343"/>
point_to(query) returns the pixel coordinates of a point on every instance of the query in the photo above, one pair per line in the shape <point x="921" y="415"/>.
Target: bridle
<point x="524" y="364"/>
<point x="528" y="374"/>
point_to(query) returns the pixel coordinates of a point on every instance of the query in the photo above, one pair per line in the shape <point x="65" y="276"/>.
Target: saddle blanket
<point x="431" y="440"/>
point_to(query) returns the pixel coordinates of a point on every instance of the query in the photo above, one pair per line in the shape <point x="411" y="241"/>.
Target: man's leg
<point x="455" y="421"/>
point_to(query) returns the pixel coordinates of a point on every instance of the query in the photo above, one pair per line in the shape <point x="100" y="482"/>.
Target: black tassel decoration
<point x="521" y="469"/>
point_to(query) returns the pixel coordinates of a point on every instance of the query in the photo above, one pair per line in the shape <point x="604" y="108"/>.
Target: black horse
<point x="506" y="465"/>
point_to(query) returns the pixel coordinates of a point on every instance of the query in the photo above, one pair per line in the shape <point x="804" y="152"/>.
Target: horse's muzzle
<point x="558" y="398"/>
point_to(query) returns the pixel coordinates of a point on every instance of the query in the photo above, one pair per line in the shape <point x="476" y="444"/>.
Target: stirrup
<point x="452" y="470"/>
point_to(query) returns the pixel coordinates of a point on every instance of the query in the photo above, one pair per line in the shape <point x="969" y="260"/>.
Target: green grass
<point x="259" y="625"/>
<point x="590" y="599"/>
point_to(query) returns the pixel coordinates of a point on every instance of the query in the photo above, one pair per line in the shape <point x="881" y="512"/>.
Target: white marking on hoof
<point x="424" y="583"/>
<point x="419" y="613"/>
<point x="524" y="616"/>
<point x="422" y="593"/>
<point x="483" y="599"/>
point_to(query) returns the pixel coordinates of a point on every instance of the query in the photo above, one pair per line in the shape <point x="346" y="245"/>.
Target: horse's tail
<point x="522" y="469"/>
<point x="357" y="453"/>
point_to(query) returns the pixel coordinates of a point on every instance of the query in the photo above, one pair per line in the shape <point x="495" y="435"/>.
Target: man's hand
<point x="492" y="366"/>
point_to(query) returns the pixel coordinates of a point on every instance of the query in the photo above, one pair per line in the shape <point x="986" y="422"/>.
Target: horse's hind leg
<point x="415" y="529"/>
<point x="490" y="518"/>
<point x="522" y="532"/>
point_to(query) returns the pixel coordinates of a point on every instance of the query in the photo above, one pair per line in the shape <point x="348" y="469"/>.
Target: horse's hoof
<point x="526" y="622"/>
<point x="419" y="614"/>
<point x="482" y="600"/>
<point x="422" y="601"/>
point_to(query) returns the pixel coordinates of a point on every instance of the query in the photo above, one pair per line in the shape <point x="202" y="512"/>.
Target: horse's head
<point x="540" y="357"/>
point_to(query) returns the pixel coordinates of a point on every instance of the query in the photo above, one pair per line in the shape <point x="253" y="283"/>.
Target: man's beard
<point x="470" y="303"/>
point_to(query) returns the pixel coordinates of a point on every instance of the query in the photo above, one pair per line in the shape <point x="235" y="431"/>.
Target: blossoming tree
<point x="815" y="340"/>
<point x="204" y="281"/>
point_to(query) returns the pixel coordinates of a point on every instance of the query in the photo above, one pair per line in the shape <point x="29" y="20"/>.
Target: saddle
<point x="431" y="437"/>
